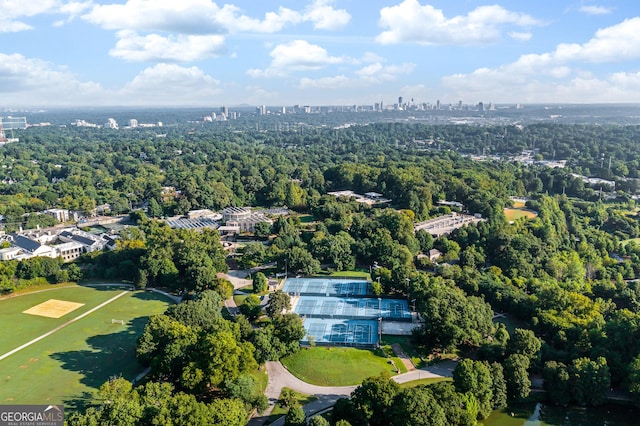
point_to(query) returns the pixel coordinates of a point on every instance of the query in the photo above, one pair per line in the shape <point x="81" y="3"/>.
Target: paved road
<point x="280" y="377"/>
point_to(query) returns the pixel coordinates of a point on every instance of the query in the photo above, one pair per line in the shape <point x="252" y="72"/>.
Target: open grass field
<point x="68" y="365"/>
<point x="324" y="366"/>
<point x="514" y="214"/>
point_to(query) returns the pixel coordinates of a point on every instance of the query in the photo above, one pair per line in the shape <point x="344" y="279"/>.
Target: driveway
<point x="280" y="377"/>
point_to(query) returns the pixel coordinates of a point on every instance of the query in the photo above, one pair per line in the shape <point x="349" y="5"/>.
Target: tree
<point x="253" y="254"/>
<point x="373" y="398"/>
<point x="633" y="381"/>
<point x="416" y="406"/>
<point x="475" y="377"/>
<point x="318" y="421"/>
<point x="499" y="386"/>
<point x="295" y="417"/>
<point x="154" y="209"/>
<point x="260" y="283"/>
<point x="74" y="271"/>
<point x="524" y="342"/>
<point x="301" y="260"/>
<point x="251" y="307"/>
<point x="557" y="382"/>
<point x="450" y="317"/>
<point x="517" y="377"/>
<point x="288" y="329"/>
<point x="278" y="302"/>
<point x="590" y="380"/>
<point x="262" y="230"/>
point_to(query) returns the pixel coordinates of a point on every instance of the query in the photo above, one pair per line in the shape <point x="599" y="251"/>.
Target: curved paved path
<point x="280" y="377"/>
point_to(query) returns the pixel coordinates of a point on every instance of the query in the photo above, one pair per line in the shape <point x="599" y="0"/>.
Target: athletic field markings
<point x="60" y="327"/>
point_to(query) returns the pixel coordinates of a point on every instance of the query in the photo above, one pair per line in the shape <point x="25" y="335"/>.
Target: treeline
<point x="80" y="169"/>
<point x="18" y="275"/>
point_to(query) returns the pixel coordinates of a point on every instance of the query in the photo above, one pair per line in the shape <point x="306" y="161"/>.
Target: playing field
<point x="79" y="345"/>
<point x="514" y="214"/>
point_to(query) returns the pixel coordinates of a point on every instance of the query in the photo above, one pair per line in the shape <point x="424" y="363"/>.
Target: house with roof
<point x="88" y="242"/>
<point x="31" y="247"/>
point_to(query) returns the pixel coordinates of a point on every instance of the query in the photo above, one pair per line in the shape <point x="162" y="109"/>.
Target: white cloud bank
<point x="557" y="76"/>
<point x="13" y="12"/>
<point x="411" y="22"/>
<point x="33" y="82"/>
<point x="178" y="31"/>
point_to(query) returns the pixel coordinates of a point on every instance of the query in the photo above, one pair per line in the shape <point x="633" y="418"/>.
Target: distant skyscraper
<point x="400" y="101"/>
<point x="480" y="107"/>
<point x="225" y="111"/>
<point x="111" y="124"/>
<point x="133" y="123"/>
<point x="438" y="104"/>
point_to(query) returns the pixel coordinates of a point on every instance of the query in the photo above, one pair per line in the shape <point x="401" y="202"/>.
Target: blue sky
<point x="317" y="52"/>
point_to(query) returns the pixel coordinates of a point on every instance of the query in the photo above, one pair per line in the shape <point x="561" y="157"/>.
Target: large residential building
<point x="243" y="218"/>
<point x="69" y="244"/>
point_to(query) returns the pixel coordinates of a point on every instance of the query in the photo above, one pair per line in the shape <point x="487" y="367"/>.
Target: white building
<point x="70" y="251"/>
<point x="61" y="215"/>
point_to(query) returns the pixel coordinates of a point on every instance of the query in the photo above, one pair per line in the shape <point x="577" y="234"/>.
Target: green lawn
<point x="428" y="381"/>
<point x="351" y="274"/>
<point x="331" y="366"/>
<point x="69" y="365"/>
<point x="514" y="214"/>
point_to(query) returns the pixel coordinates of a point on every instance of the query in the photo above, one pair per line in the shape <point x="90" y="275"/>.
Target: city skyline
<point x="59" y="53"/>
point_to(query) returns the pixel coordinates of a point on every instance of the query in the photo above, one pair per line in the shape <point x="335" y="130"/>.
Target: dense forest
<point x="568" y="275"/>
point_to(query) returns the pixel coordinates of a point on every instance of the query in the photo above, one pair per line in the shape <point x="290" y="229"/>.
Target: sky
<point x="79" y="53"/>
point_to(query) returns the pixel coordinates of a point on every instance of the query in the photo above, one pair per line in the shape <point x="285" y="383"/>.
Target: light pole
<point x="408" y="287"/>
<point x="380" y="321"/>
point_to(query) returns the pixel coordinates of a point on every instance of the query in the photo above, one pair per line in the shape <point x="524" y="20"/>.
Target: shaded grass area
<point x="279" y="410"/>
<point x="331" y="366"/>
<point x="68" y="366"/>
<point x="429" y="381"/>
<point x="512" y="323"/>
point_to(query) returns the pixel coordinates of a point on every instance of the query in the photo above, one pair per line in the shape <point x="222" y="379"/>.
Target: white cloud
<point x="186" y="17"/>
<point x="616" y="43"/>
<point x="521" y="36"/>
<point x="12" y="11"/>
<point x="377" y="72"/>
<point x="595" y="10"/>
<point x="325" y="17"/>
<point x="169" y="84"/>
<point x="556" y="75"/>
<point x="33" y="82"/>
<point x="366" y="76"/>
<point x="156" y="48"/>
<point x="298" y="55"/>
<point x="331" y="83"/>
<point x="412" y="22"/>
<point x="37" y="82"/>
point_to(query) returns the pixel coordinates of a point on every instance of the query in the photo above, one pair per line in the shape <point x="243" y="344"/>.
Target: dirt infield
<point x="53" y="308"/>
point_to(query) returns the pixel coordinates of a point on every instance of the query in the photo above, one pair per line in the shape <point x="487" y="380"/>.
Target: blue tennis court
<point x="352" y="308"/>
<point x="326" y="286"/>
<point x="341" y="332"/>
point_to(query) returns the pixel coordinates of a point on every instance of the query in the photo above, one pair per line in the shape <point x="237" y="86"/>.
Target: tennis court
<point x="326" y="286"/>
<point x="341" y="332"/>
<point x="352" y="308"/>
